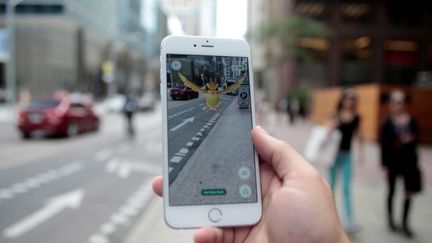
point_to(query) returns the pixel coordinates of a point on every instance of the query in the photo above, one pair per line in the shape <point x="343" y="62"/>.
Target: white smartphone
<point x="211" y="175"/>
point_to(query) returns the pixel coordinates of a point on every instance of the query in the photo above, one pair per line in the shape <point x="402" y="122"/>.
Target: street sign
<point x="107" y="67"/>
<point x="108" y="71"/>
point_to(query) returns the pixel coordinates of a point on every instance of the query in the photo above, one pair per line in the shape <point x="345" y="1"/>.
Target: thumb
<point x="278" y="154"/>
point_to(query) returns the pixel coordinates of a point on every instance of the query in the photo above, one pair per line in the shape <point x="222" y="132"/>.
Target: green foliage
<point x="301" y="95"/>
<point x="288" y="30"/>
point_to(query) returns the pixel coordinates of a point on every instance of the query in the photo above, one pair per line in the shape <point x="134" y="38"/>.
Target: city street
<point x="90" y="188"/>
<point x="188" y="125"/>
<point x="95" y="187"/>
<point x="225" y="138"/>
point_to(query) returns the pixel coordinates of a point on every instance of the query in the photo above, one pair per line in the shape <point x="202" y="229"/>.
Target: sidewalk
<point x="228" y="141"/>
<point x="151" y="228"/>
<point x="369" y="186"/>
<point x="368" y="195"/>
<point x="7" y="113"/>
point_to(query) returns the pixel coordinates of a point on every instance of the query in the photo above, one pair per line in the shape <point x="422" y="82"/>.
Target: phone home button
<point x="215" y="215"/>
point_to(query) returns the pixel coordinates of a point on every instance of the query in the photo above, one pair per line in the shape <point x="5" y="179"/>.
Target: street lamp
<point x="10" y="66"/>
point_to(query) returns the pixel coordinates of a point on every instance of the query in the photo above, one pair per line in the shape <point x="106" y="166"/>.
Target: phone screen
<point x="210" y="152"/>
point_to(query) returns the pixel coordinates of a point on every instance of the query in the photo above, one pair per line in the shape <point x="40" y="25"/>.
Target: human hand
<point x="298" y="205"/>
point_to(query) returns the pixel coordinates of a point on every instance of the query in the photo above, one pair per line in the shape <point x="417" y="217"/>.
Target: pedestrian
<point x="297" y="202"/>
<point x="399" y="138"/>
<point x="129" y="108"/>
<point x="293" y="109"/>
<point x="347" y="122"/>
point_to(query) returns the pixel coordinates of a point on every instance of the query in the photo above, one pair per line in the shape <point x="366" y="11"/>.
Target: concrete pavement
<point x="368" y="187"/>
<point x="211" y="167"/>
<point x="188" y="125"/>
<point x="368" y="192"/>
<point x="90" y="188"/>
<point x="7" y="113"/>
<point x="88" y="161"/>
<point x="152" y="228"/>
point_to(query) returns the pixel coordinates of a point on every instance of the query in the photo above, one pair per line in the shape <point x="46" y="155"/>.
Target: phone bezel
<point x="197" y="215"/>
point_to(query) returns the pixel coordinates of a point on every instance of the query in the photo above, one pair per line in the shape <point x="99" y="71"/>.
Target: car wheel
<point x="26" y="135"/>
<point x="96" y="126"/>
<point x="72" y="129"/>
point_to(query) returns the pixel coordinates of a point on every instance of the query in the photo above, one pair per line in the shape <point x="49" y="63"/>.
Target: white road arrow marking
<point x="53" y="206"/>
<point x="190" y="119"/>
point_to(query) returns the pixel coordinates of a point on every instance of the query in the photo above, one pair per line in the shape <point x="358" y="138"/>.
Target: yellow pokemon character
<point x="212" y="94"/>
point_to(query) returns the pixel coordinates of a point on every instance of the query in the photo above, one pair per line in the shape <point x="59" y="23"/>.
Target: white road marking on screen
<point x="180" y="112"/>
<point x="185" y="121"/>
<point x="179" y="155"/>
<point x="184" y="151"/>
<point x="176" y="159"/>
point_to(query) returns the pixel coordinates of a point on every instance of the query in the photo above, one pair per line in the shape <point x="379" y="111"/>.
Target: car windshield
<point x="43" y="104"/>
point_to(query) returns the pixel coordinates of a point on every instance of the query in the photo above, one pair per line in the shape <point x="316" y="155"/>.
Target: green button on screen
<point x="213" y="192"/>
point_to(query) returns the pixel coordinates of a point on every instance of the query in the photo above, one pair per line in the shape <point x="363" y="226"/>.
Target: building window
<point x="429" y="55"/>
<point x="313" y="8"/>
<point x="428" y="9"/>
<point x="356" y="60"/>
<point x="400" y="61"/>
<point x="312" y="70"/>
<point x="404" y="14"/>
<point x="358" y="12"/>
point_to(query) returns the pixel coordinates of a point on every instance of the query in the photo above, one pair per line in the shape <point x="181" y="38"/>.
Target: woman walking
<point x="347" y="122"/>
<point x="399" y="137"/>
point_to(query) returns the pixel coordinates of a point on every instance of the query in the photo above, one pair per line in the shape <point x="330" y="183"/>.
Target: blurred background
<point x="80" y="135"/>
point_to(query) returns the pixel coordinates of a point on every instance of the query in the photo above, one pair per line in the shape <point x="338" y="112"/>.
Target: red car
<point x="183" y="93"/>
<point x="51" y="116"/>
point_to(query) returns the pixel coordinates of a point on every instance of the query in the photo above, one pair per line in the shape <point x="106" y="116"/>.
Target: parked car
<point x="147" y="101"/>
<point x="183" y="93"/>
<point x="53" y="116"/>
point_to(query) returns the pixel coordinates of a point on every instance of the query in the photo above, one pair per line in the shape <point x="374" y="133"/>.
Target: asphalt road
<point x="188" y="125"/>
<point x="223" y="162"/>
<point x="91" y="188"/>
